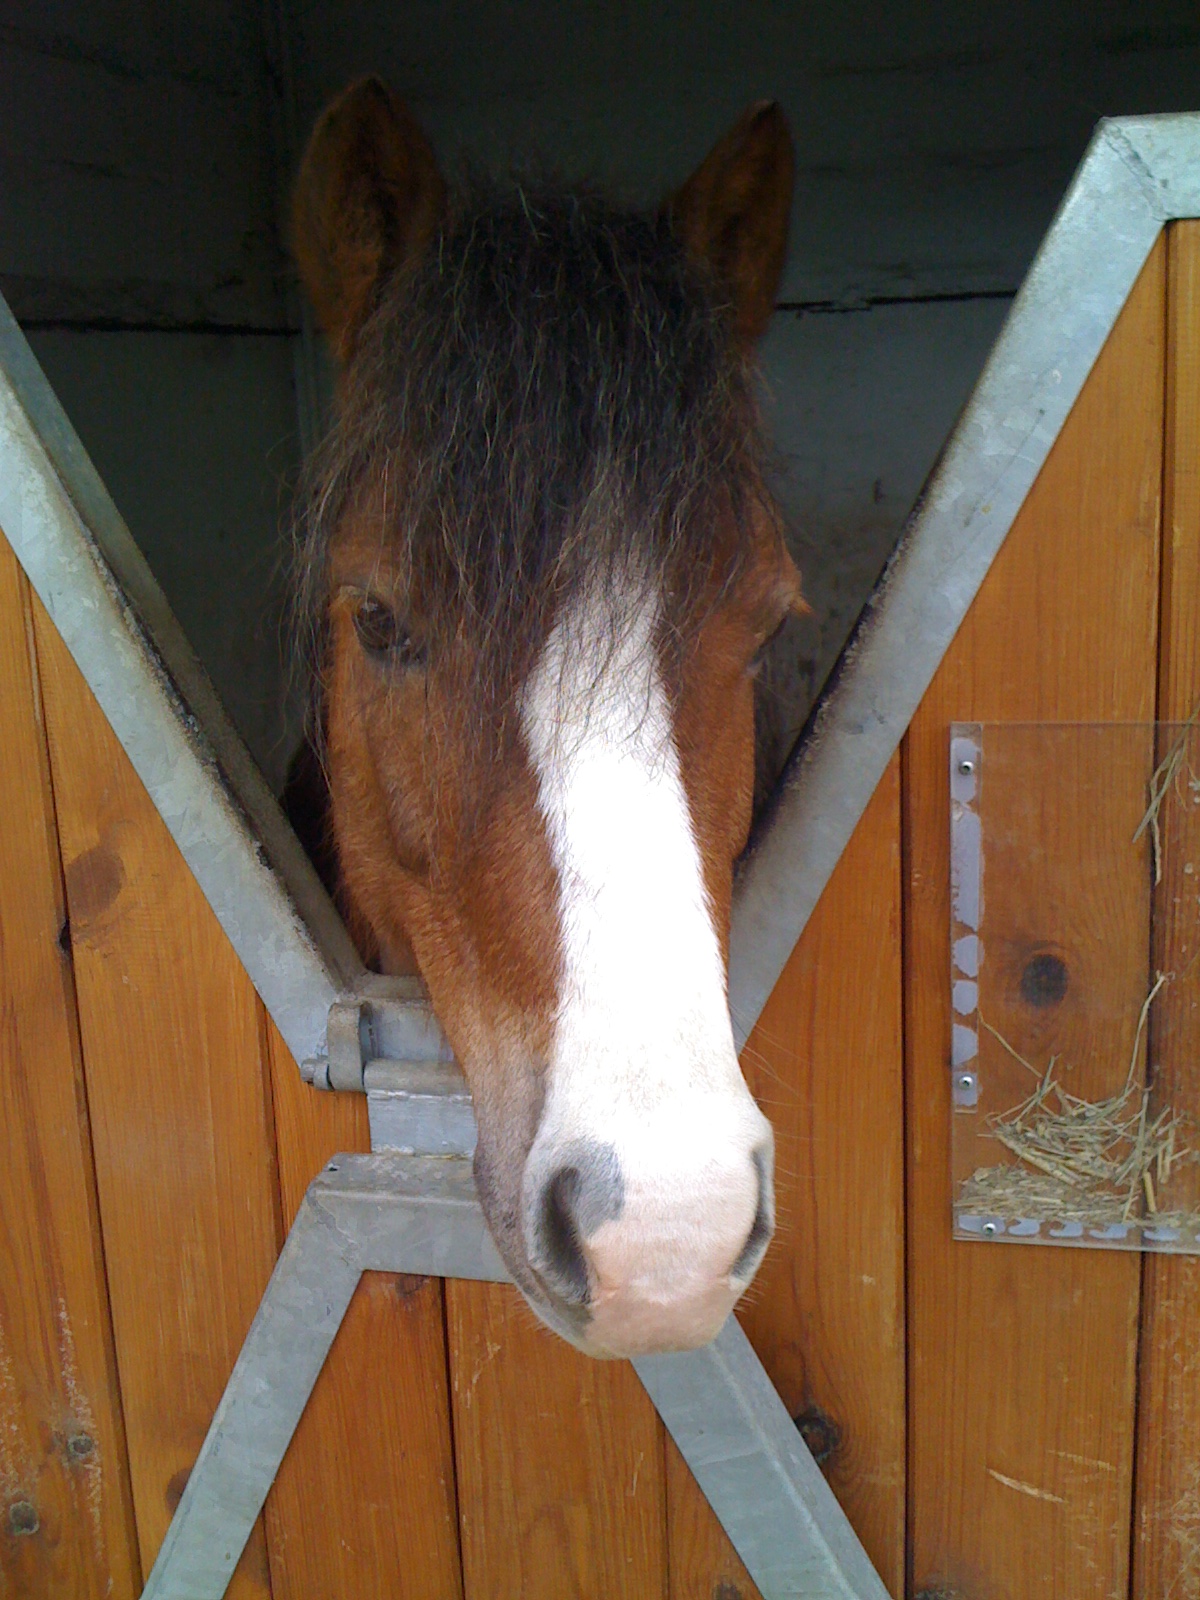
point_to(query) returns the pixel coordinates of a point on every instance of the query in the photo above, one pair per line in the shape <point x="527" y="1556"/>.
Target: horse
<point x="539" y="564"/>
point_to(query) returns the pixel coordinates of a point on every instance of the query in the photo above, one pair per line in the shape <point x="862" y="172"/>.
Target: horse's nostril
<point x="763" y="1225"/>
<point x="584" y="1191"/>
<point x="560" y="1248"/>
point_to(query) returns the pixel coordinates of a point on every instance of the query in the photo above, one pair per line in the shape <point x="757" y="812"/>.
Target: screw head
<point x="80" y="1446"/>
<point x="965" y="768"/>
<point x="991" y="1228"/>
<point x="965" y="1081"/>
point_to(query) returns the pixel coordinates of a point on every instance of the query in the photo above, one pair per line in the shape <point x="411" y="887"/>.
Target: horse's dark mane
<point x="552" y="397"/>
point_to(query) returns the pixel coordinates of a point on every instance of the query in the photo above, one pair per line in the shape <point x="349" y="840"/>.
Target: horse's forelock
<point x="551" y="400"/>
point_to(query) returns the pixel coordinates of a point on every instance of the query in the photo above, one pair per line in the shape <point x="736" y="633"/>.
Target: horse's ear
<point x="732" y="213"/>
<point x="368" y="199"/>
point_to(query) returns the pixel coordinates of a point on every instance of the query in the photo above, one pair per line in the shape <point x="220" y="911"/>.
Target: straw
<point x="1100" y="1157"/>
<point x="1164" y="777"/>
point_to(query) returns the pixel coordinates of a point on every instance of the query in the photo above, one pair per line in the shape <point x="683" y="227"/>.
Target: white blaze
<point x="643" y="1057"/>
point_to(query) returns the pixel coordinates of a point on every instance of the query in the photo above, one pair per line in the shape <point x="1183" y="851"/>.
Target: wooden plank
<point x="64" y="1491"/>
<point x="560" y="1460"/>
<point x="1167" y="1512"/>
<point x="1021" y="1359"/>
<point x="367" y="1486"/>
<point x="826" y="1314"/>
<point x="174" y="1062"/>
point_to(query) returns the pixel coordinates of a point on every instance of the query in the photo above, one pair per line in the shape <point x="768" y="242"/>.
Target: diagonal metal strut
<point x="398" y="1213"/>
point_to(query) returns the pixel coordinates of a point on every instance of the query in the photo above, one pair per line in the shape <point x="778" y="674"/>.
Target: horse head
<point x="541" y="563"/>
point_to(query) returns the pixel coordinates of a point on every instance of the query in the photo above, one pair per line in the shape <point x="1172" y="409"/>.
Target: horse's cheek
<point x="718" y="763"/>
<point x="510" y="903"/>
<point x="379" y="841"/>
<point x="739" y="776"/>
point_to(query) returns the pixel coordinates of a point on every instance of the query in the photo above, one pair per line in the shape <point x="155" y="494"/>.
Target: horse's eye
<point x="376" y="627"/>
<point x="381" y="634"/>
<point x="759" y="657"/>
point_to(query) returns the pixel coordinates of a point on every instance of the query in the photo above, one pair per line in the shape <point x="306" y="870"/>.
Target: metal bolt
<point x="965" y="768"/>
<point x="22" y="1518"/>
<point x="991" y="1228"/>
<point x="965" y="1081"/>
<point x="80" y="1446"/>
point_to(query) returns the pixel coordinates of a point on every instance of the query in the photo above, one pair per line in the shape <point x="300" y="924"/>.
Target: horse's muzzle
<point x="653" y="1262"/>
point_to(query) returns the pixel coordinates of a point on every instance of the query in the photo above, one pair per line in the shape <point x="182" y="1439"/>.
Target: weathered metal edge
<point x="1137" y="174"/>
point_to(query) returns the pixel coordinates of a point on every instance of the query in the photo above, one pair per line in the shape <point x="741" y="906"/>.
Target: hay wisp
<point x="1163" y="779"/>
<point x="1099" y="1156"/>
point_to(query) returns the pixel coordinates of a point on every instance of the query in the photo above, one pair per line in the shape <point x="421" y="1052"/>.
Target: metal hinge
<point x="384" y="1040"/>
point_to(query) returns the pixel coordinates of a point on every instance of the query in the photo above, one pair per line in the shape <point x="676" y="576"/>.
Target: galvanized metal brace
<point x="395" y="1213"/>
<point x="417" y="1211"/>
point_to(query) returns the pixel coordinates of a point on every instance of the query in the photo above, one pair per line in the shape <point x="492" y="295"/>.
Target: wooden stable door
<point x="1052" y="1421"/>
<point x="1000" y="1423"/>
